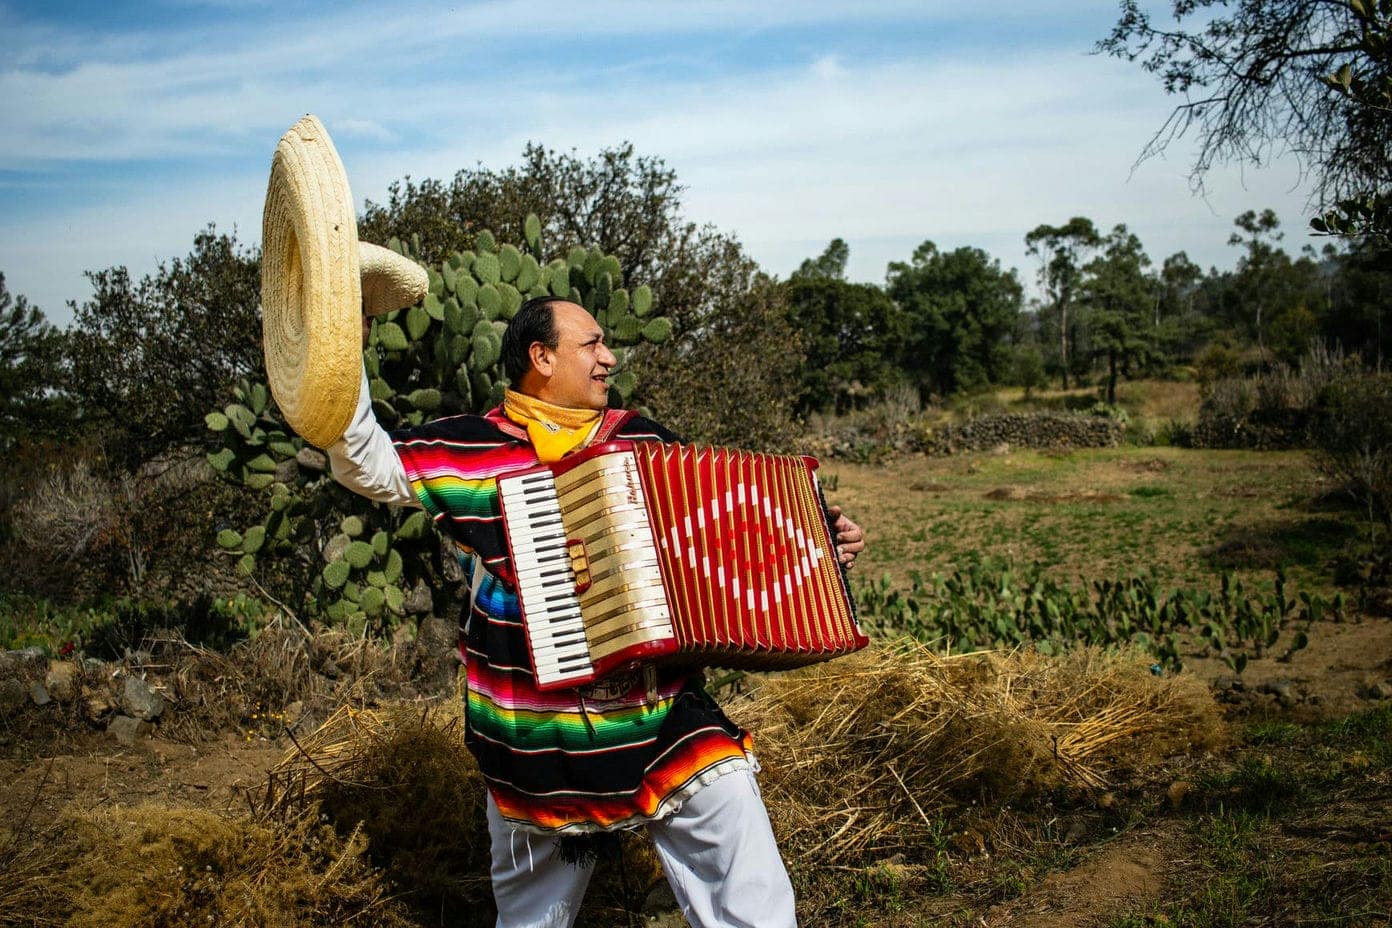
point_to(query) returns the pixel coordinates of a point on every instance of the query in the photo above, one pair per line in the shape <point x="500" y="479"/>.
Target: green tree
<point x="624" y="204"/>
<point x="29" y="370"/>
<point x="1261" y="262"/>
<point x="1119" y="295"/>
<point x="830" y="265"/>
<point x="1062" y="251"/>
<point x="736" y="384"/>
<point x="1267" y="282"/>
<point x="852" y="335"/>
<point x="962" y="311"/>
<point x="147" y="359"/>
<point x="1179" y="287"/>
<point x="621" y="202"/>
<point x="1360" y="294"/>
<point x="1181" y="325"/>
<point x="1029" y="369"/>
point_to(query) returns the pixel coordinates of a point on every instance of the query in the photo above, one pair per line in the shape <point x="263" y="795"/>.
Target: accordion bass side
<point x="645" y="551"/>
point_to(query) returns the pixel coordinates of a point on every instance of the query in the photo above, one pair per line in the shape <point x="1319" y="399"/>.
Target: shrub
<point x="1218" y="362"/>
<point x="1352" y="431"/>
<point x="86" y="530"/>
<point x="1271" y="409"/>
<point x="1028" y="369"/>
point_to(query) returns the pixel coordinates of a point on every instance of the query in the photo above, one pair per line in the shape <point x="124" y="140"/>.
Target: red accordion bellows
<point x="629" y="552"/>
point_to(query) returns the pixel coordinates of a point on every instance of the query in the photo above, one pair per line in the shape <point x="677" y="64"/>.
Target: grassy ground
<point x="1296" y="832"/>
<point x="1186" y="515"/>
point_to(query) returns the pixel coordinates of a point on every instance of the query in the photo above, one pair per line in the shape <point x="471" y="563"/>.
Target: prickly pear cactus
<point x="352" y="561"/>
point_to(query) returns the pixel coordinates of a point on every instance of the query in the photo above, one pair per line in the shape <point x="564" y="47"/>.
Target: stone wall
<point x="1021" y="430"/>
<point x="1282" y="431"/>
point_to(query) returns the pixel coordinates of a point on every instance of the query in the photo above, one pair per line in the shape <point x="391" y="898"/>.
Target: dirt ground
<point x="1138" y="868"/>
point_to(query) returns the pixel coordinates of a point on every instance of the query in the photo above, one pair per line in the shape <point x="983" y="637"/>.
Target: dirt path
<point x="91" y="771"/>
<point x="1122" y="876"/>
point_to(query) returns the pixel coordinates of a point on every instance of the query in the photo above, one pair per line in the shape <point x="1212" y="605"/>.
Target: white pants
<point x="718" y="852"/>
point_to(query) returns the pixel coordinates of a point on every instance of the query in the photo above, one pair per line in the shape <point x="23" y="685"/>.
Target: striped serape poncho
<point x="621" y="751"/>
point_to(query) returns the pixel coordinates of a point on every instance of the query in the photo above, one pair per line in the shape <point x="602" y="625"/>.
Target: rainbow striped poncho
<point x="593" y="759"/>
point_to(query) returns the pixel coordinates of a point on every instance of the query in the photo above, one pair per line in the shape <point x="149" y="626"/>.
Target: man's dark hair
<point x="534" y="322"/>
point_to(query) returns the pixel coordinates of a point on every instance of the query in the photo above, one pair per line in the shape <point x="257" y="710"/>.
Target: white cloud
<point x="969" y="149"/>
<point x="366" y="129"/>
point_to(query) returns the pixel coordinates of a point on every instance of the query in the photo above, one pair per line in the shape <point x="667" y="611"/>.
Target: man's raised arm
<point x="365" y="461"/>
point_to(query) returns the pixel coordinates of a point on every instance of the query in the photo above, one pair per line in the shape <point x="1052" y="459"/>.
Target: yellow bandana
<point x="555" y="431"/>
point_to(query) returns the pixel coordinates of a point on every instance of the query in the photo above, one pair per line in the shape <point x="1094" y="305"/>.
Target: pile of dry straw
<point x="870" y="755"/>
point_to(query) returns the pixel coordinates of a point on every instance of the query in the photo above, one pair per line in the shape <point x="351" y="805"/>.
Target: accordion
<point x="701" y="557"/>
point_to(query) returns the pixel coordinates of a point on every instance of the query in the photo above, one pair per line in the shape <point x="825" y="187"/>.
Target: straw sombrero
<point x="389" y="281"/>
<point x="311" y="296"/>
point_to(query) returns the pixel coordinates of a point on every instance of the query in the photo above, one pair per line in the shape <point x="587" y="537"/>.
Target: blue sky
<point x="127" y="127"/>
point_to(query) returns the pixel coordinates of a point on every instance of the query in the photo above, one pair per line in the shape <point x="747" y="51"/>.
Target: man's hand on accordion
<point x="850" y="540"/>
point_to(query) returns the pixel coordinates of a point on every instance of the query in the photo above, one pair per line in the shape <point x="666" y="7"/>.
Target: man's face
<point x="574" y="373"/>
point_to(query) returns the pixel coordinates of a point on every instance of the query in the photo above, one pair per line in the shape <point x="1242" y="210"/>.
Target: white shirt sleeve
<point x="365" y="461"/>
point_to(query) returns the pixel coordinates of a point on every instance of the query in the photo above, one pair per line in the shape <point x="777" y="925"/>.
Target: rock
<point x="30" y="657"/>
<point x="999" y="433"/>
<point x="62" y="681"/>
<point x="14" y="695"/>
<point x="141" y="700"/>
<point x="38" y="695"/>
<point x="286" y="471"/>
<point x="312" y="459"/>
<point x="96" y="704"/>
<point x="26" y="660"/>
<point x="437" y="655"/>
<point x="126" y="729"/>
<point x="1228" y="682"/>
<point x="659" y="899"/>
<point x="1177" y="792"/>
<point x="1378" y="690"/>
<point x="418" y="601"/>
<point x="968" y="842"/>
<point x="335" y="547"/>
<point x="1107" y="800"/>
<point x="1282" y="689"/>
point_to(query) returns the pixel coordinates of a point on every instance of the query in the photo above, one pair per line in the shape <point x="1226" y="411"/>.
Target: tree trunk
<point x="1063" y="339"/>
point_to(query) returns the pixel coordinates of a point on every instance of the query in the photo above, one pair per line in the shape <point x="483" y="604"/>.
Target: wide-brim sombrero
<point x="311" y="292"/>
<point x="389" y="281"/>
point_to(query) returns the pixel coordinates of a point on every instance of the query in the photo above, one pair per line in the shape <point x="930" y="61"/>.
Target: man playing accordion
<point x="567" y="768"/>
